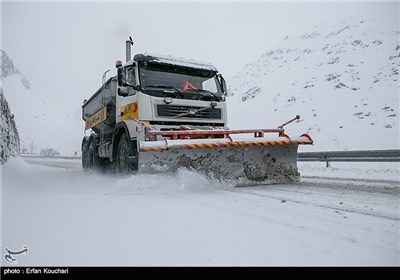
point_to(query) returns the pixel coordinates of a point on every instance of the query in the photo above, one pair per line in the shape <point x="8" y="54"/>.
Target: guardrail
<point x="351" y="156"/>
<point x="55" y="157"/>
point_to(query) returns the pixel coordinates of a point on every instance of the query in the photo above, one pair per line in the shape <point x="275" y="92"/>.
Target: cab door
<point x="127" y="101"/>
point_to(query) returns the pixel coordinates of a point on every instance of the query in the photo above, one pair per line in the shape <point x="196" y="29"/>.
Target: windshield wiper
<point x="209" y="92"/>
<point x="174" y="89"/>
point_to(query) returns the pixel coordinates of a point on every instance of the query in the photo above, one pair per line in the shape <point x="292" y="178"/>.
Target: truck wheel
<point x="84" y="155"/>
<point x="123" y="152"/>
<point x="92" y="159"/>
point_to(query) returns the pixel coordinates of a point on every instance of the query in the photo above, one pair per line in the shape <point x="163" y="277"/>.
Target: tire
<point x="106" y="167"/>
<point x="123" y="152"/>
<point x="84" y="155"/>
<point x="92" y="159"/>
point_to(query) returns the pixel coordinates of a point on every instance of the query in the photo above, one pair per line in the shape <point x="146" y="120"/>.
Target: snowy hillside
<point x="342" y="78"/>
<point x="9" y="139"/>
<point x="42" y="122"/>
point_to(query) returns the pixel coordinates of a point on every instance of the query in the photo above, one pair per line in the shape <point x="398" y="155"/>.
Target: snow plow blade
<point x="244" y="160"/>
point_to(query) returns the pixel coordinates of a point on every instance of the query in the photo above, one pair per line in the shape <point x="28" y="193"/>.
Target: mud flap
<point x="250" y="165"/>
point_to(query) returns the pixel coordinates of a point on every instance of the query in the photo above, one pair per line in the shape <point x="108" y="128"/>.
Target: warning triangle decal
<point x="188" y="86"/>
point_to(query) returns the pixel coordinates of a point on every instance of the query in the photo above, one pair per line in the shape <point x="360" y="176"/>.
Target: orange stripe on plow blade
<point x="224" y="145"/>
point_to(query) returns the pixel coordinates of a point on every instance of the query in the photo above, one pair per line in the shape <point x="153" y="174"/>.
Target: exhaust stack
<point x="129" y="44"/>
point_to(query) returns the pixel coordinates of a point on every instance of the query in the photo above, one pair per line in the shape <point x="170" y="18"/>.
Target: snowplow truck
<point x="160" y="113"/>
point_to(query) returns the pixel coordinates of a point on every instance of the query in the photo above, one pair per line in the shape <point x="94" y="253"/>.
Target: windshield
<point x="181" y="82"/>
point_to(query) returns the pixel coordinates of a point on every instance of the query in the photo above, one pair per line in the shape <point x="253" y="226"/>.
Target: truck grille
<point x="189" y="111"/>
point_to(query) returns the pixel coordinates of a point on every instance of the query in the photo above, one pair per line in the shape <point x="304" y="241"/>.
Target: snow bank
<point x="352" y="170"/>
<point x="21" y="172"/>
<point x="70" y="218"/>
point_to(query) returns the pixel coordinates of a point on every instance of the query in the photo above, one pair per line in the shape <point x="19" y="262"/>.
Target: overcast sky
<point x="64" y="48"/>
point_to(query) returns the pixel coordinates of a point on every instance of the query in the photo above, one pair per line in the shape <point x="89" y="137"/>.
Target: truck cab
<point x="168" y="92"/>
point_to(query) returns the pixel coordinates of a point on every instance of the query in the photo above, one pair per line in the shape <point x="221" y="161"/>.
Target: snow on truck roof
<point x="173" y="61"/>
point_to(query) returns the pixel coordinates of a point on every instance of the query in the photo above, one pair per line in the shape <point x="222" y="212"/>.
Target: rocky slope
<point x="9" y="138"/>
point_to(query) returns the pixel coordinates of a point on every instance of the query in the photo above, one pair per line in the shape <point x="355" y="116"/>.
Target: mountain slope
<point x="9" y="138"/>
<point x="342" y="78"/>
<point x="42" y="121"/>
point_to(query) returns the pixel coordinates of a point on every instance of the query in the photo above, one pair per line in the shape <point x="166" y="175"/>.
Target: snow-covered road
<point x="67" y="217"/>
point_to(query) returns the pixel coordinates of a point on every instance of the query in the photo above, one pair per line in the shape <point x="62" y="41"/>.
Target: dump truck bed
<point x="104" y="96"/>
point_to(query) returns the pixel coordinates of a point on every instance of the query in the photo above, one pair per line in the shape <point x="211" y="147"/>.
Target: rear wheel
<point x="85" y="147"/>
<point x="92" y="159"/>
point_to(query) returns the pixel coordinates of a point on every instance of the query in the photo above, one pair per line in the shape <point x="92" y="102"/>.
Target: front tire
<point x="123" y="153"/>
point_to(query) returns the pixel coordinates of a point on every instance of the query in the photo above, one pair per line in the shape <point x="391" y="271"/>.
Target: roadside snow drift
<point x="70" y="218"/>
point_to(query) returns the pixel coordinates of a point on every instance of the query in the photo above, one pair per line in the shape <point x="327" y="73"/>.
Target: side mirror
<point x="127" y="91"/>
<point x="121" y="76"/>
<point x="122" y="79"/>
<point x="222" y="83"/>
<point x="123" y="91"/>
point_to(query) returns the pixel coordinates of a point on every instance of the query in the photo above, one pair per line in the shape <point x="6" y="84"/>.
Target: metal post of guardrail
<point x="328" y="164"/>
